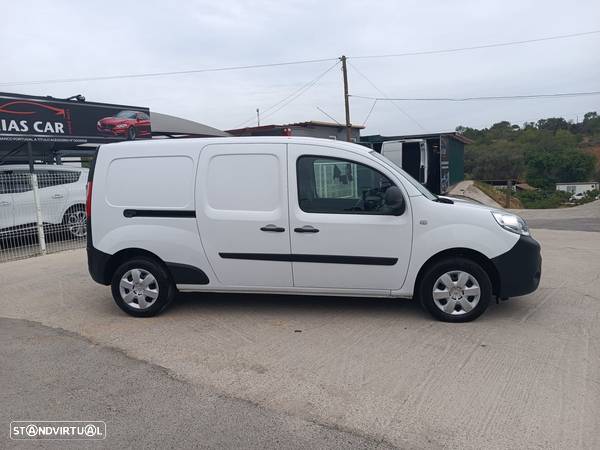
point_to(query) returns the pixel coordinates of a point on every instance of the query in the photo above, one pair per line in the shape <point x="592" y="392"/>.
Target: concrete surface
<point x="467" y="189"/>
<point x="144" y="406"/>
<point x="580" y="218"/>
<point x="524" y="375"/>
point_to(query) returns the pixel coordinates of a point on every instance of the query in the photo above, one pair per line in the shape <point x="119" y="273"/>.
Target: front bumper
<point x="520" y="268"/>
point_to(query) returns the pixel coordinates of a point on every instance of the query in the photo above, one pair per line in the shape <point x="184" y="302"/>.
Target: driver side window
<point x="338" y="186"/>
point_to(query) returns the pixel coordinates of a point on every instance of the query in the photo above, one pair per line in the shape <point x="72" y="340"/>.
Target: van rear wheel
<point x="455" y="290"/>
<point x="142" y="287"/>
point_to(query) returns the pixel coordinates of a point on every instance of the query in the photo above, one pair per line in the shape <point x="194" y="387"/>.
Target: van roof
<point x="355" y="148"/>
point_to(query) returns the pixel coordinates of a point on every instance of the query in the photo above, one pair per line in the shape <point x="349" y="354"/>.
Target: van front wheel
<point x="455" y="290"/>
<point x="141" y="287"/>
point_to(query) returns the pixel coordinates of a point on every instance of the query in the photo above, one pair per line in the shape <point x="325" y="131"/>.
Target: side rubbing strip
<point x="331" y="259"/>
<point x="158" y="213"/>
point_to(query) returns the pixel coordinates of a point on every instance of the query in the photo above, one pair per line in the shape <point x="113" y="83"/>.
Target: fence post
<point x="36" y="201"/>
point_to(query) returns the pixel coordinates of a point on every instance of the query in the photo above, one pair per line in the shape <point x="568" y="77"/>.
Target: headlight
<point x="121" y="125"/>
<point x="511" y="222"/>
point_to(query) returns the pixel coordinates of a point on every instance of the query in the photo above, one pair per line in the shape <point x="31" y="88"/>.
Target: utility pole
<point x="258" y="116"/>
<point x="508" y="193"/>
<point x="346" y="100"/>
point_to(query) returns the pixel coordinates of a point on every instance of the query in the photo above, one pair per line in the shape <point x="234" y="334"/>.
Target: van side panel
<point x="149" y="175"/>
<point x="155" y="182"/>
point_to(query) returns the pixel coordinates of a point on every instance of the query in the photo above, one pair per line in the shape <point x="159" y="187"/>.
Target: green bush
<point x="543" y="198"/>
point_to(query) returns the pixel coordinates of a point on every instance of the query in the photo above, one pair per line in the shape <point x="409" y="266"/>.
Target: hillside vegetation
<point x="540" y="153"/>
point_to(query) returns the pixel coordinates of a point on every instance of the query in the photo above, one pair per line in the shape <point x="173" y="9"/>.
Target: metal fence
<point x="41" y="212"/>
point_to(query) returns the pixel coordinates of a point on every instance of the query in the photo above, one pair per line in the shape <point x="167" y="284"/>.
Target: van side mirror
<point x="394" y="201"/>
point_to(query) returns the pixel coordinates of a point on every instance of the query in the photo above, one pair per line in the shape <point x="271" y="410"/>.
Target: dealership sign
<point x="46" y="119"/>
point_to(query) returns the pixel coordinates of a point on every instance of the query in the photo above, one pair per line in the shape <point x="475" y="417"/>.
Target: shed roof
<point x="165" y="124"/>
<point x="452" y="134"/>
<point x="308" y="123"/>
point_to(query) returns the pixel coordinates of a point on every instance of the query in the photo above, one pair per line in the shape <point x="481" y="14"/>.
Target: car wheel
<point x="455" y="290"/>
<point x="142" y="287"/>
<point x="75" y="222"/>
<point x="131" y="133"/>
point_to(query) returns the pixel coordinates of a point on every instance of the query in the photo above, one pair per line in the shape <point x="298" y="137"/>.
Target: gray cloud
<point x="58" y="39"/>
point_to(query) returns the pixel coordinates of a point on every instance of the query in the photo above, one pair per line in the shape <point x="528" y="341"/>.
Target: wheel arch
<point x="76" y="205"/>
<point x="127" y="254"/>
<point x="485" y="263"/>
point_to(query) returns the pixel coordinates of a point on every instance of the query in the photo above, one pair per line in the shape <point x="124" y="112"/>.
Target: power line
<point x="297" y="93"/>
<point x="385" y="96"/>
<point x="329" y="115"/>
<point x="468" y="99"/>
<point x="161" y="74"/>
<point x="369" y="113"/>
<point x="476" y="47"/>
<point x="304" y="89"/>
<point x="287" y="63"/>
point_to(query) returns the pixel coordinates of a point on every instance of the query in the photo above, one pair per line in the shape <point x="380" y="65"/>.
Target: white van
<point x="293" y="215"/>
<point x="403" y="153"/>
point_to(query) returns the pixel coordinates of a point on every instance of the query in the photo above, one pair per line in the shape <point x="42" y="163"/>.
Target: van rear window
<point x="151" y="182"/>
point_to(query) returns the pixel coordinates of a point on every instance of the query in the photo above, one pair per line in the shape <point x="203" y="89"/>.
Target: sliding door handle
<point x="306" y="229"/>
<point x="273" y="228"/>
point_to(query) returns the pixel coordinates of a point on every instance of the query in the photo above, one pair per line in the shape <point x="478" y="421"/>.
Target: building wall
<point x="577" y="188"/>
<point x="456" y="158"/>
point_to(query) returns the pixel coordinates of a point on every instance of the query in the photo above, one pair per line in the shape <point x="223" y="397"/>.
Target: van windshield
<point x="422" y="189"/>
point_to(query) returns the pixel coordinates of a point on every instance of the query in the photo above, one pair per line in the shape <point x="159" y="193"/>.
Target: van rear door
<point x="242" y="213"/>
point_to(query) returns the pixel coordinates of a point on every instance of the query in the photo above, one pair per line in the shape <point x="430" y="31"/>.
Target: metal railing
<point x="41" y="212"/>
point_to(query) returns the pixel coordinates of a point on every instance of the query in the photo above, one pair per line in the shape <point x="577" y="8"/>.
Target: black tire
<point x="433" y="273"/>
<point x="131" y="134"/>
<point x="166" y="287"/>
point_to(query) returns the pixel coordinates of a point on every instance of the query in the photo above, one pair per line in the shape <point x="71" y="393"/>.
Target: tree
<point x="553" y="124"/>
<point x="543" y="153"/>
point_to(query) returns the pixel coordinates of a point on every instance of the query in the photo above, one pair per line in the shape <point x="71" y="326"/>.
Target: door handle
<point x="4" y="203"/>
<point x="306" y="229"/>
<point x="273" y="228"/>
<point x="57" y="196"/>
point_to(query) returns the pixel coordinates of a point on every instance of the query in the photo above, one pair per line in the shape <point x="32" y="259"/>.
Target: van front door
<point x="242" y="213"/>
<point x="342" y="235"/>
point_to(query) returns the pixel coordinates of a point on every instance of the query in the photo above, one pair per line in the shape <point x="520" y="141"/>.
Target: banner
<point x="46" y="119"/>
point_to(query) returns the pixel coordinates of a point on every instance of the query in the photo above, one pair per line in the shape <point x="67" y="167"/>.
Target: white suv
<point x="62" y="200"/>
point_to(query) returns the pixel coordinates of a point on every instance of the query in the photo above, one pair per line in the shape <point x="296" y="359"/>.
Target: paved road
<point x="49" y="373"/>
<point x="524" y="375"/>
<point x="467" y="189"/>
<point x="578" y="218"/>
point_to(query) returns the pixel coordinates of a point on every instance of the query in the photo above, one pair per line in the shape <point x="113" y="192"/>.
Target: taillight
<point x="88" y="200"/>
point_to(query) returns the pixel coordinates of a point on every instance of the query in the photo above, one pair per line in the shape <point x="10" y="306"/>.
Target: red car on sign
<point x="127" y="124"/>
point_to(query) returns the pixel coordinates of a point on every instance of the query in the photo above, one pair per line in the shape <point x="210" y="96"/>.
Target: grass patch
<point x="498" y="195"/>
<point x="541" y="199"/>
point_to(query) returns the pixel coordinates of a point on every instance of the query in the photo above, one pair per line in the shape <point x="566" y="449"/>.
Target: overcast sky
<point x="59" y="39"/>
